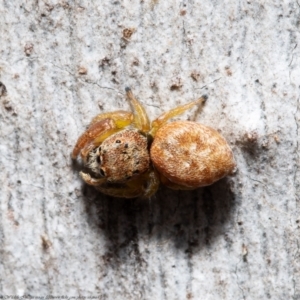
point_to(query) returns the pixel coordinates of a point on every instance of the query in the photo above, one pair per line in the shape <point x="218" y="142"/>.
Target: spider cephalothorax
<point x="121" y="156"/>
<point x="126" y="156"/>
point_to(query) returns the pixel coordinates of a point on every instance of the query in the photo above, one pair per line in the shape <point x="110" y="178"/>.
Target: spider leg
<point x="152" y="184"/>
<point x="121" y="118"/>
<point x="171" y="185"/>
<point x="90" y="180"/>
<point x="101" y="127"/>
<point x="140" y="118"/>
<point x="95" y="130"/>
<point x="165" y="117"/>
<point x="126" y="190"/>
<point x="141" y="186"/>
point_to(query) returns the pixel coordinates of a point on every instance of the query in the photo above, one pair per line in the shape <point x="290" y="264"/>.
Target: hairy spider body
<point x="190" y="154"/>
<point x="127" y="156"/>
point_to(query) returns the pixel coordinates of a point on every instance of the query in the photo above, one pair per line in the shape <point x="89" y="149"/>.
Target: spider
<point x="128" y="156"/>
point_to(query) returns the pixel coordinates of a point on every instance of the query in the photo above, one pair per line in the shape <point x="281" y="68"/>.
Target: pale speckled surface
<point x="237" y="239"/>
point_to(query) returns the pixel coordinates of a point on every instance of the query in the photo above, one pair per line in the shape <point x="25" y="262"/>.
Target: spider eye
<point x="102" y="173"/>
<point x="98" y="160"/>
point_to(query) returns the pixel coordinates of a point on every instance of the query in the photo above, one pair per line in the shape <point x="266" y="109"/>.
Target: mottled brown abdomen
<point x="191" y="154"/>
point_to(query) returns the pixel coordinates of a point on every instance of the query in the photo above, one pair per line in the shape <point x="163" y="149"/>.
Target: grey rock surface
<point x="63" y="62"/>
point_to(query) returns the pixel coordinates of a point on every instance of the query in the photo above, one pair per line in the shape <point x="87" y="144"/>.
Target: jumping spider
<point x="127" y="156"/>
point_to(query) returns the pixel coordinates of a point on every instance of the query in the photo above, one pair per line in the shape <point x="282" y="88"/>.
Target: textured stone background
<point x="62" y="62"/>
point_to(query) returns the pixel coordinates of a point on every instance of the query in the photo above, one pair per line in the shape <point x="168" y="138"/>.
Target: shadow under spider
<point x="186" y="220"/>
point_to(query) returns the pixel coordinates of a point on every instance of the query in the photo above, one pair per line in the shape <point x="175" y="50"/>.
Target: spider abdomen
<point x="190" y="154"/>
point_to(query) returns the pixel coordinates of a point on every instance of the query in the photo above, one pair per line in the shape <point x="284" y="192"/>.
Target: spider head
<point x="94" y="162"/>
<point x="121" y="156"/>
